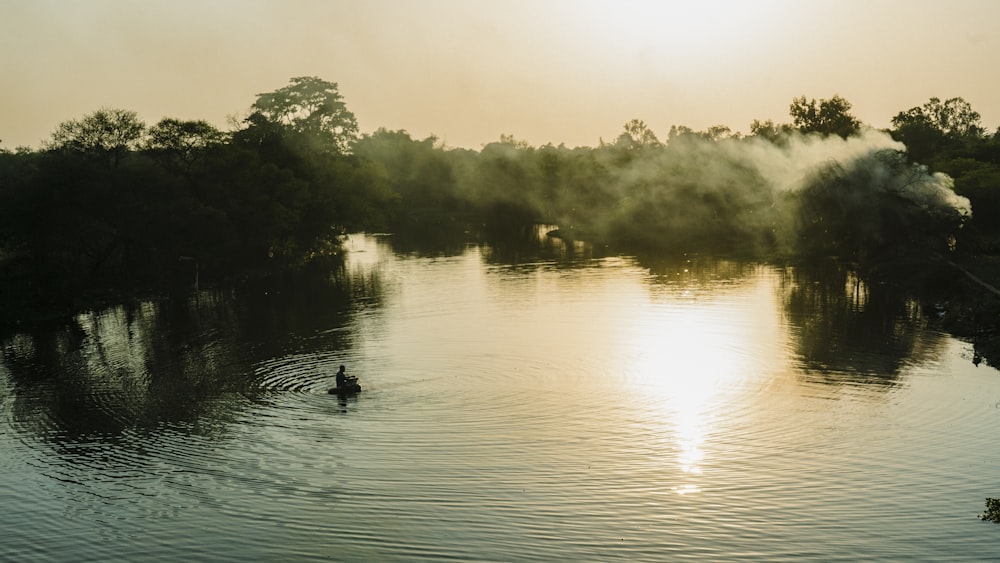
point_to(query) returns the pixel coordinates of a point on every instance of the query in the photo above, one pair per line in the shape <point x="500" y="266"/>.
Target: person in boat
<point x="342" y="378"/>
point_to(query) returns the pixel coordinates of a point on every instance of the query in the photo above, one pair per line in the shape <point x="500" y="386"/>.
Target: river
<point x="528" y="402"/>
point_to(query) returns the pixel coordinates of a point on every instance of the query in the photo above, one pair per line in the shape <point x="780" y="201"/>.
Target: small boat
<point x="350" y="387"/>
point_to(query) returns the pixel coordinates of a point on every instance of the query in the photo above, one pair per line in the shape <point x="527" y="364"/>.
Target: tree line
<point x="110" y="205"/>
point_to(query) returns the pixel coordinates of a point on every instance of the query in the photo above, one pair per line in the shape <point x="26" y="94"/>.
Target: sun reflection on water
<point x="690" y="362"/>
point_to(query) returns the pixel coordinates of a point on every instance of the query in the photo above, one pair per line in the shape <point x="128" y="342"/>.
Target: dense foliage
<point x="111" y="206"/>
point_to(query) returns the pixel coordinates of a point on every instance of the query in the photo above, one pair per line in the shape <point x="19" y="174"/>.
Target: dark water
<point x="521" y="403"/>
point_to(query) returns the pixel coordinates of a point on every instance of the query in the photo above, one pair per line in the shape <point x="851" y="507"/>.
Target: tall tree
<point x="312" y="108"/>
<point x="827" y="117"/>
<point x="107" y="133"/>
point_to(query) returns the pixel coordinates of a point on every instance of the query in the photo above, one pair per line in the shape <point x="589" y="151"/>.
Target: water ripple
<point x="527" y="413"/>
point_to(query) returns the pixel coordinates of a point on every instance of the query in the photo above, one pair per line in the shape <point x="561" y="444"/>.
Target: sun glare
<point x="688" y="34"/>
<point x="690" y="362"/>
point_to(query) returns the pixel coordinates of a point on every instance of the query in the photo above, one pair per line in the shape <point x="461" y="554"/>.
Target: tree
<point x="952" y="118"/>
<point x="682" y="133"/>
<point x="719" y="132"/>
<point x="505" y="180"/>
<point x="770" y="130"/>
<point x="827" y="117"/>
<point x="311" y="108"/>
<point x="418" y="173"/>
<point x="638" y="135"/>
<point x="875" y="208"/>
<point x="182" y="143"/>
<point x="108" y="134"/>
<point x="937" y="125"/>
<point x="511" y="140"/>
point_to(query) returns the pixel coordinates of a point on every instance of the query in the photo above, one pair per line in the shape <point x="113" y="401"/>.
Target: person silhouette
<point x="341" y="378"/>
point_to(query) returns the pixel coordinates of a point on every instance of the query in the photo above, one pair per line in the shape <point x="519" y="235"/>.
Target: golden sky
<point x="467" y="71"/>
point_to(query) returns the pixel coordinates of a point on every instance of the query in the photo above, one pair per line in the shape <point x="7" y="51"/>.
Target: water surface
<point x="521" y="403"/>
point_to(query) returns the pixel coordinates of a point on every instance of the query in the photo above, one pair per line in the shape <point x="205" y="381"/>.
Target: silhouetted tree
<point x="79" y="217"/>
<point x="182" y="143"/>
<point x="937" y="126"/>
<point x="954" y="117"/>
<point x="827" y="117"/>
<point x="107" y="133"/>
<point x="301" y="183"/>
<point x="776" y="133"/>
<point x="311" y="108"/>
<point x="948" y="136"/>
<point x="680" y="133"/>
<point x="637" y="135"/>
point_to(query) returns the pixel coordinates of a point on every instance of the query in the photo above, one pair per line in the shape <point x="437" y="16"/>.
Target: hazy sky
<point x="467" y="71"/>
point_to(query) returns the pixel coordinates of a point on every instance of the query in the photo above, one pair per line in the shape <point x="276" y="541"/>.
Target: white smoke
<point x="787" y="166"/>
<point x="744" y="191"/>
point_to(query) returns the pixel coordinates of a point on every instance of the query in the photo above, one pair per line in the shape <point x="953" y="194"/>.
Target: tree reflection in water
<point x="187" y="362"/>
<point x="173" y="361"/>
<point x="849" y="331"/>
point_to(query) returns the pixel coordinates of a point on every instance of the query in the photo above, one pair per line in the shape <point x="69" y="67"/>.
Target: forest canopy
<point x="112" y="204"/>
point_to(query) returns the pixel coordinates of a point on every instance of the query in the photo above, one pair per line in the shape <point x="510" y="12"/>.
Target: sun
<point x="689" y="34"/>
